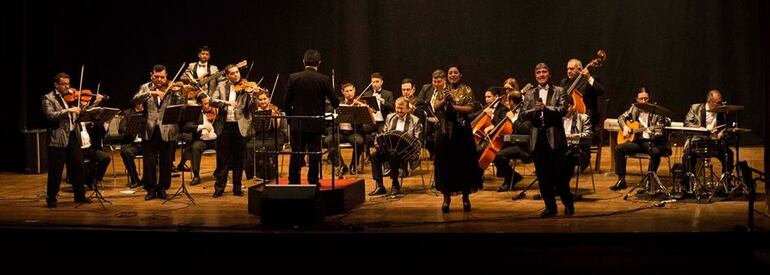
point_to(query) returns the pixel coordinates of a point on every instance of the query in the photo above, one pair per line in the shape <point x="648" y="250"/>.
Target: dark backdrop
<point x="679" y="49"/>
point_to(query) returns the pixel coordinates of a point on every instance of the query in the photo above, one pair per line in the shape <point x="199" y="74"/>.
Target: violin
<point x="73" y="95"/>
<point x="246" y="86"/>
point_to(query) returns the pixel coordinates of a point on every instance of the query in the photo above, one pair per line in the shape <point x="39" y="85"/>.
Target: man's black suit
<point x="305" y="96"/>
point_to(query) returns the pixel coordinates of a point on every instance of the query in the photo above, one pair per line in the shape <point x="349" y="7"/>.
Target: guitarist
<point x="201" y="69"/>
<point x="649" y="141"/>
<point x="588" y="86"/>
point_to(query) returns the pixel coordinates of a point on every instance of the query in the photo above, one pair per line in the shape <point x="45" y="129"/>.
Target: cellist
<point x="494" y="112"/>
<point x="512" y="150"/>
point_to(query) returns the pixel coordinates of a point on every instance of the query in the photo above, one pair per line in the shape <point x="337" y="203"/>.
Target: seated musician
<point x="401" y="121"/>
<point x="271" y="138"/>
<point x="131" y="146"/>
<point x="203" y="137"/>
<point x="699" y="116"/>
<point x="92" y="136"/>
<point x="577" y="127"/>
<point x="512" y="150"/>
<point x="353" y="134"/>
<point x="495" y="109"/>
<point x="650" y="141"/>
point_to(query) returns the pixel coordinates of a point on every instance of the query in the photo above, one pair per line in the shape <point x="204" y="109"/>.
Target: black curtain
<point x="679" y="49"/>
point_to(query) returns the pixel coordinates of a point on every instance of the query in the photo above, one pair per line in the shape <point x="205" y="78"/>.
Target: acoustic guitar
<point x="636" y="128"/>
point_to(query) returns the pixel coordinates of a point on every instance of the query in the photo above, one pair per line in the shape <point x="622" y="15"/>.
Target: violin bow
<point x="249" y="72"/>
<point x="362" y="92"/>
<point x="175" y="77"/>
<point x="82" y="68"/>
<point x="272" y="92"/>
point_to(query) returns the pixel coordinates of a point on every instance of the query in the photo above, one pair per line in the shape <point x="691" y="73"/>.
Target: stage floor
<point x="22" y="205"/>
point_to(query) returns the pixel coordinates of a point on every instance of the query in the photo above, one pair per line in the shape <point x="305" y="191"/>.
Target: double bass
<point x="577" y="96"/>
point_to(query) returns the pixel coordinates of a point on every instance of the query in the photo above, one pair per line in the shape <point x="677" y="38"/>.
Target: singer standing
<point x="545" y="106"/>
<point x="306" y="91"/>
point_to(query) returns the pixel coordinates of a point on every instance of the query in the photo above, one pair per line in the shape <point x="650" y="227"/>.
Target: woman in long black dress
<point x="456" y="160"/>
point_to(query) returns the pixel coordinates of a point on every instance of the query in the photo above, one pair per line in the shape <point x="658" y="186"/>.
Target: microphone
<point x="664" y="202"/>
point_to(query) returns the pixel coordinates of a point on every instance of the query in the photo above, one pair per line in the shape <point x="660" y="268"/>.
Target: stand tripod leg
<point x="97" y="196"/>
<point x="523" y="193"/>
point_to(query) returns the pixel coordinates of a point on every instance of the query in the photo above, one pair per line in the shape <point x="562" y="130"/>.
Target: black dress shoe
<point x="353" y="170"/>
<point x="619" y="185"/>
<point x="195" y="181"/>
<point x="161" y="194"/>
<point x="378" y="191"/>
<point x="445" y="205"/>
<point x="466" y="205"/>
<point x="237" y="192"/>
<point x="150" y="195"/>
<point x="569" y="211"/>
<point x="182" y="168"/>
<point x="218" y="193"/>
<point x="394" y="191"/>
<point x="50" y="204"/>
<point x="504" y="187"/>
<point x="548" y="213"/>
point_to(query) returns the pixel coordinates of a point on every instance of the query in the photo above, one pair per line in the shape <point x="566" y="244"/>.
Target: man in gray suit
<point x="63" y="141"/>
<point x="158" y="139"/>
<point x="700" y="116"/>
<point x="199" y="71"/>
<point x="544" y="106"/>
<point x="404" y="122"/>
<point x="232" y="126"/>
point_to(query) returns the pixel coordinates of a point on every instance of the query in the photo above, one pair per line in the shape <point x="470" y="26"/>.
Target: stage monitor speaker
<point x="290" y="205"/>
<point x="36" y="148"/>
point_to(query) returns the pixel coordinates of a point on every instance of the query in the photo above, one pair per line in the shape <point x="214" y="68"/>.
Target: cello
<point x="577" y="96"/>
<point x="494" y="142"/>
<point x="481" y="122"/>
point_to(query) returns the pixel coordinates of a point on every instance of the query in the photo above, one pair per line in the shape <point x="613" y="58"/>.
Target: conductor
<point x="306" y="91"/>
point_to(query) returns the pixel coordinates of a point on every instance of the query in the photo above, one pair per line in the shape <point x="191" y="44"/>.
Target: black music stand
<point x="260" y="121"/>
<point x="372" y="102"/>
<point x="180" y="115"/>
<point x="355" y="115"/>
<point x="98" y="116"/>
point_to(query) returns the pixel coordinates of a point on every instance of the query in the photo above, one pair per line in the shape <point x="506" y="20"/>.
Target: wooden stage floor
<point x="22" y="204"/>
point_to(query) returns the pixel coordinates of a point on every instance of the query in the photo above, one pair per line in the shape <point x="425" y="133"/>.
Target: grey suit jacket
<point x="192" y="69"/>
<point x="243" y="111"/>
<point x="154" y="112"/>
<point x="581" y="125"/>
<point x="59" y="122"/>
<point x="412" y="126"/>
<point x="554" y="130"/>
<point x="696" y="117"/>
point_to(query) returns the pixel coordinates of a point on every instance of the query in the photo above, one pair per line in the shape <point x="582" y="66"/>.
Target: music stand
<point x="372" y="102"/>
<point x="260" y="121"/>
<point x="355" y="115"/>
<point x="98" y="116"/>
<point x="179" y="115"/>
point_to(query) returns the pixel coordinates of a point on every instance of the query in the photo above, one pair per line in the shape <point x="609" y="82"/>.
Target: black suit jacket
<point x="390" y="102"/>
<point x="554" y="127"/>
<point x="305" y="96"/>
<point x="591" y="94"/>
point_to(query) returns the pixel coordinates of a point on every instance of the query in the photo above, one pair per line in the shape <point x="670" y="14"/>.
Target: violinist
<point x="455" y="160"/>
<point x="348" y="132"/>
<point x="64" y="141"/>
<point x="544" y="106"/>
<point x="438" y="84"/>
<point x="158" y="138"/>
<point x="402" y="121"/>
<point x="203" y="137"/>
<point x="512" y="150"/>
<point x="589" y="87"/>
<point x="384" y="98"/>
<point x="91" y="143"/>
<point x="233" y="98"/>
<point x="131" y="146"/>
<point x="196" y="72"/>
<point x="270" y="138"/>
